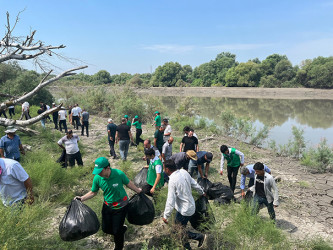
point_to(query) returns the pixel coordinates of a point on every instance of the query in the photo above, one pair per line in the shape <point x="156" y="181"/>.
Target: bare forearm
<point x="88" y="196"/>
<point x="131" y="185"/>
<point x="158" y="178"/>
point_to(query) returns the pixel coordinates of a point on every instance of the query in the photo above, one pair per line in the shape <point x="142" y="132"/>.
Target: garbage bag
<point x="248" y="196"/>
<point x="219" y="190"/>
<point x="221" y="201"/>
<point x="203" y="217"/>
<point x="79" y="222"/>
<point x="141" y="178"/>
<point x="141" y="210"/>
<point x="62" y="159"/>
<point x="205" y="184"/>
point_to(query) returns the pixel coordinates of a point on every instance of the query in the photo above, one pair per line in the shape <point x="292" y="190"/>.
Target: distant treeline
<point x="276" y="71"/>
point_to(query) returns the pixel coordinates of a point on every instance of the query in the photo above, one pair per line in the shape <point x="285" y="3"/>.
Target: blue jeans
<point x="193" y="167"/>
<point x="123" y="148"/>
<point x="257" y="201"/>
<point x="183" y="220"/>
<point x="43" y="122"/>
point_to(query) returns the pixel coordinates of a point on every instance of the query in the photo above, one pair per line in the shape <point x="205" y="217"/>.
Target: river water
<point x="314" y="117"/>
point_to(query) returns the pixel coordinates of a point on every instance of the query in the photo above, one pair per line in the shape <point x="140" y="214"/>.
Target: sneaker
<point x="202" y="240"/>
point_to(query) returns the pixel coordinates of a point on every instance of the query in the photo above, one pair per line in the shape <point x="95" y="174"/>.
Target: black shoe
<point x="124" y="229"/>
<point x="202" y="240"/>
<point x="115" y="157"/>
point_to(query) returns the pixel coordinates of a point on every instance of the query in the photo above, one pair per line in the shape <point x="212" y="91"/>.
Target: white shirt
<point x="167" y="131"/>
<point x="237" y="152"/>
<point x="47" y="107"/>
<point x="75" y="111"/>
<point x="180" y="193"/>
<point x="79" y="110"/>
<point x="71" y="145"/>
<point x="12" y="180"/>
<point x="62" y="114"/>
<point x="25" y="106"/>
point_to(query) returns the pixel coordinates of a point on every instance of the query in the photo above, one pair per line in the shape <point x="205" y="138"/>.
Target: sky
<point x="138" y="36"/>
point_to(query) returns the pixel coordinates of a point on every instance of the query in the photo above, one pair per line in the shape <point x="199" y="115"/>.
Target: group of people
<point x="178" y="169"/>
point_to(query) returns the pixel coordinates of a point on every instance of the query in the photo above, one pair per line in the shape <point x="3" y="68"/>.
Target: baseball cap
<point x="136" y="117"/>
<point x="192" y="154"/>
<point x="110" y="120"/>
<point x="100" y="163"/>
<point x="125" y="116"/>
<point x="209" y="156"/>
<point x="156" y="112"/>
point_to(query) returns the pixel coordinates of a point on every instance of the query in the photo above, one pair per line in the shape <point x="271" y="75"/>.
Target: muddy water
<point x="315" y="117"/>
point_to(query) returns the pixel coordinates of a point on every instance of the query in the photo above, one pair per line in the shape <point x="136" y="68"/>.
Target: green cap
<point x="125" y="116"/>
<point x="156" y="112"/>
<point x="100" y="163"/>
<point x="136" y="117"/>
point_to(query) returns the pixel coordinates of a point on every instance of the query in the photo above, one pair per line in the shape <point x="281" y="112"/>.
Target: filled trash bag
<point x="221" y="201"/>
<point x="141" y="178"/>
<point x="203" y="217"/>
<point x="205" y="184"/>
<point x="218" y="190"/>
<point x="141" y="210"/>
<point x="248" y="196"/>
<point x="79" y="222"/>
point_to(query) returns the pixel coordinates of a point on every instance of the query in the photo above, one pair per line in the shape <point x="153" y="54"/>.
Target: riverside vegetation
<point x="36" y="226"/>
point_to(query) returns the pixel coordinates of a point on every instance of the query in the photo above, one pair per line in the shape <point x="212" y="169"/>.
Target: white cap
<point x="110" y="120"/>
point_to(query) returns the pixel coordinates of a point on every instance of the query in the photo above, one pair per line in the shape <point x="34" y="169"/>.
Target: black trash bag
<point x="205" y="184"/>
<point x="203" y="217"/>
<point x="248" y="196"/>
<point x="221" y="201"/>
<point x="80" y="221"/>
<point x="141" y="210"/>
<point x="62" y="159"/>
<point x="141" y="178"/>
<point x="218" y="190"/>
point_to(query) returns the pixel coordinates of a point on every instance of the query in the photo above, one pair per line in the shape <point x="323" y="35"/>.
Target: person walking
<point x="154" y="174"/>
<point x="25" y="111"/>
<point x="75" y="117"/>
<point x="62" y="116"/>
<point x="157" y="120"/>
<point x="85" y="122"/>
<point x="55" y="116"/>
<point x="189" y="142"/>
<point x="3" y="112"/>
<point x="158" y="138"/>
<point x="123" y="136"/>
<point x="111" y="181"/>
<point x="15" y="184"/>
<point x="167" y="149"/>
<point x="128" y="122"/>
<point x="138" y="126"/>
<point x="180" y="197"/>
<point x="73" y="154"/>
<point x="249" y="172"/>
<point x="264" y="190"/>
<point x="11" y="110"/>
<point x="10" y="145"/>
<point x="235" y="159"/>
<point x="40" y="111"/>
<point x="112" y="128"/>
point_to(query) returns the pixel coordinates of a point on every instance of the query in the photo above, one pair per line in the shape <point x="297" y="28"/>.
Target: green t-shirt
<point x="158" y="120"/>
<point x="137" y="124"/>
<point x="113" y="189"/>
<point x="159" y="142"/>
<point x="128" y="123"/>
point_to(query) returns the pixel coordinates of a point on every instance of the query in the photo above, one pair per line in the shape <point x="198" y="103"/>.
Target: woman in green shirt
<point x="114" y="210"/>
<point x="137" y="123"/>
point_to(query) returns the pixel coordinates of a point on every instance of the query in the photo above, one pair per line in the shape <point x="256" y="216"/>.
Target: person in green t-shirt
<point x="158" y="138"/>
<point x="157" y="121"/>
<point x="155" y="180"/>
<point x="128" y="122"/>
<point x="114" y="210"/>
<point x="138" y="126"/>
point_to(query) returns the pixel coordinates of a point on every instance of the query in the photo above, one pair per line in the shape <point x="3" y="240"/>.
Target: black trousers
<point x="232" y="177"/>
<point x="76" y="122"/>
<point x="85" y="124"/>
<point x="3" y="112"/>
<point x="72" y="157"/>
<point x="137" y="136"/>
<point x="113" y="223"/>
<point x="112" y="152"/>
<point x="55" y="121"/>
<point x="11" y="112"/>
<point x="63" y="125"/>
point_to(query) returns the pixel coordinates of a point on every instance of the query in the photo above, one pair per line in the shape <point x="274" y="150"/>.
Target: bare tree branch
<point x="6" y="95"/>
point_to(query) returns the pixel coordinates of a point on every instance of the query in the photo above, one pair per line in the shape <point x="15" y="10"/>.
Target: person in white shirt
<point x="25" y="111"/>
<point x="62" y="115"/>
<point x="76" y="116"/>
<point x="72" y="148"/>
<point x="167" y="130"/>
<point x="180" y="197"/>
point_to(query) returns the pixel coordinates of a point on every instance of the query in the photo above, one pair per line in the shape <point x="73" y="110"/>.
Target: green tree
<point x="102" y="77"/>
<point x="168" y="74"/>
<point x="244" y="75"/>
<point x="284" y="71"/>
<point x="268" y="65"/>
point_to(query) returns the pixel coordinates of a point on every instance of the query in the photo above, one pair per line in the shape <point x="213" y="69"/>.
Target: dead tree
<point x="18" y="48"/>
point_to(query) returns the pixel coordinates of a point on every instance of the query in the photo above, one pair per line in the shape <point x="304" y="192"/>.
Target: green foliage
<point x="258" y="137"/>
<point x="102" y="77"/>
<point x="228" y="119"/>
<point x="244" y="75"/>
<point x="169" y="74"/>
<point x="319" y="159"/>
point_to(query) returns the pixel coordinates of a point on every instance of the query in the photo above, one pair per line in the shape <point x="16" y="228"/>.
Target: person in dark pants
<point x="55" y="116"/>
<point x="72" y="148"/>
<point x="158" y="138"/>
<point x="138" y="126"/>
<point x="264" y="190"/>
<point x="11" y="110"/>
<point x="115" y="203"/>
<point x="112" y="128"/>
<point x="3" y="112"/>
<point x="62" y="115"/>
<point x="123" y="136"/>
<point x="180" y="197"/>
<point x="232" y="156"/>
<point x="85" y="122"/>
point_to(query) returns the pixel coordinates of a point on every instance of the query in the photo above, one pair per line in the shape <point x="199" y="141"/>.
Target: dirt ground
<point x="305" y="212"/>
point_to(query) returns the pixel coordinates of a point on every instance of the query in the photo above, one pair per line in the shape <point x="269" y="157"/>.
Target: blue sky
<point x="138" y="36"/>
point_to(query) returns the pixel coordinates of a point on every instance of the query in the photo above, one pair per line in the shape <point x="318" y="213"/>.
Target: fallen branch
<point x="208" y="138"/>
